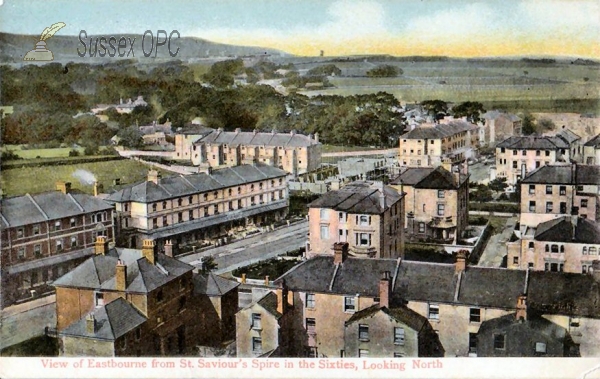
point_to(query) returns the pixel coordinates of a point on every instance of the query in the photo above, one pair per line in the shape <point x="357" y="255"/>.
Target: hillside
<point x="13" y="48"/>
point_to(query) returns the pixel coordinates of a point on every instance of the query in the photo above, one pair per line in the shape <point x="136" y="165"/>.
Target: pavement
<point x="495" y="250"/>
<point x="480" y="173"/>
<point x="27" y="320"/>
<point x="253" y="249"/>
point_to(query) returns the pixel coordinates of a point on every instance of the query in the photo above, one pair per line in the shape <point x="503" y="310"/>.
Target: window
<point x="343" y="217"/>
<point x="180" y="217"/>
<point x="499" y="341"/>
<point x="59" y="245"/>
<point x="155" y="223"/>
<point x="256" y="325"/>
<point x="593" y="251"/>
<point x="579" y="188"/>
<point x="363" y="353"/>
<point x="138" y="334"/>
<point x="584" y="252"/>
<point x="349" y="304"/>
<point x="324" y="232"/>
<point x="503" y="150"/>
<point x="421" y="227"/>
<point x="57" y="225"/>
<point x="474" y="315"/>
<point x="473" y="343"/>
<point x="440" y="209"/>
<point x="547" y="153"/>
<point x="159" y="296"/>
<point x="21" y="253"/>
<point x="179" y="202"/>
<point x="538" y="164"/>
<point x="73" y="241"/>
<point x="562" y="190"/>
<point x="190" y="215"/>
<point x="37" y="250"/>
<point x="364" y="220"/>
<point x="549" y="207"/>
<point x="181" y="305"/>
<point x="191" y="199"/>
<point x="514" y="152"/>
<point x="363" y="239"/>
<point x="538" y="153"/>
<point x="584" y="203"/>
<point x="540" y="348"/>
<point x="36" y="230"/>
<point x="562" y="248"/>
<point x="515" y="260"/>
<point x="99" y="299"/>
<point x="363" y="332"/>
<point x="398" y="336"/>
<point x="555" y="248"/>
<point x="532" y="189"/>
<point x="164" y="221"/>
<point x="324" y="214"/>
<point x="256" y="345"/>
<point x="434" y="312"/>
<point x="164" y="205"/>
<point x="310" y="300"/>
<point x="515" y="164"/>
<point x="548" y="190"/>
<point x="154" y="206"/>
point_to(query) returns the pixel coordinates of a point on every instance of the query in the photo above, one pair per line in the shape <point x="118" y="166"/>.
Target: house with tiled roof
<point x="203" y="206"/>
<point x="456" y="299"/>
<point x="44" y="236"/>
<point x="435" y="203"/>
<point x="139" y="302"/>
<point x="500" y="125"/>
<point x="429" y="144"/>
<point x="591" y="151"/>
<point x="367" y="215"/>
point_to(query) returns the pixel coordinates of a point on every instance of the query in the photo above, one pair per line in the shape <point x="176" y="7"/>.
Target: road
<point x="253" y="249"/>
<point x="480" y="173"/>
<point x="495" y="250"/>
<point x="27" y="320"/>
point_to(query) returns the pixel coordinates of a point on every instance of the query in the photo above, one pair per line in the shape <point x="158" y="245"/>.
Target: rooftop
<point x="428" y="177"/>
<point x="534" y="143"/>
<point x="213" y="285"/>
<point x="360" y="197"/>
<point x="576" y="174"/>
<point x="401" y="314"/>
<point x="494" y="114"/>
<point x="257" y="138"/>
<point x="439" y="131"/>
<point x="595" y="141"/>
<point x="569" y="229"/>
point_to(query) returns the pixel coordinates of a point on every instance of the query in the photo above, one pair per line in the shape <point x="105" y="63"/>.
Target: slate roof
<point x="401" y="314"/>
<point x="428" y="177"/>
<point x="549" y="292"/>
<point x="257" y="139"/>
<point x="359" y="197"/>
<point x="534" y="143"/>
<point x="563" y="229"/>
<point x="439" y="130"/>
<point x="568" y="136"/>
<point x="53" y="205"/>
<point x="595" y="141"/>
<point x="184" y="185"/>
<point x="113" y="320"/>
<point x="565" y="174"/>
<point x="494" y="114"/>
<point x="213" y="285"/>
<point x="98" y="272"/>
<point x="269" y="303"/>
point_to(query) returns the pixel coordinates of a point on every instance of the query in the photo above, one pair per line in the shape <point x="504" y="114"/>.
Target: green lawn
<point x="42" y="153"/>
<point x="337" y="149"/>
<point x="39" y="179"/>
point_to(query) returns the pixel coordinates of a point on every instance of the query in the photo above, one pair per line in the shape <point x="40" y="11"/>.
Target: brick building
<point x="367" y="215"/>
<point x="200" y="206"/>
<point x="46" y="235"/>
<point x="435" y="203"/>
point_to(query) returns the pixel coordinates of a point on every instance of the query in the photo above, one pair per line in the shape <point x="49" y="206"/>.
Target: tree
<point x="130" y="137"/>
<point x="208" y="264"/>
<point x="528" y="125"/>
<point x="545" y="125"/>
<point x="472" y="110"/>
<point x="498" y="184"/>
<point x="328" y="70"/>
<point x="436" y="108"/>
<point x="221" y="73"/>
<point x="384" y="71"/>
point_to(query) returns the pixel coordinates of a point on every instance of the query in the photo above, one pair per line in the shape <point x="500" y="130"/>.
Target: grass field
<point x="337" y="149"/>
<point x="42" y="153"/>
<point x="39" y="179"/>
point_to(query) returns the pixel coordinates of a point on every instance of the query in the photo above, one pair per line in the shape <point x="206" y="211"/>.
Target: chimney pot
<point x="90" y="321"/>
<point x="169" y="248"/>
<point x="384" y="289"/>
<point x="282" y="296"/>
<point x="121" y="276"/>
<point x="101" y="245"/>
<point x="521" y="313"/>
<point x="153" y="176"/>
<point x="461" y="260"/>
<point x="340" y="252"/>
<point x="148" y="250"/>
<point x="64" y="187"/>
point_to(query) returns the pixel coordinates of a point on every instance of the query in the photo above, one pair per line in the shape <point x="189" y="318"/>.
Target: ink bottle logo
<point x="41" y="53"/>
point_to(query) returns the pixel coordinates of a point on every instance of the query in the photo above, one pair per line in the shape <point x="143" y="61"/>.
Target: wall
<point x="269" y="334"/>
<point x="81" y="347"/>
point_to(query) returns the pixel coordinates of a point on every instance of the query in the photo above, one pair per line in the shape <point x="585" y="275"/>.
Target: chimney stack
<point x="97" y="188"/>
<point x="384" y="289"/>
<point x="317" y="137"/>
<point x="153" y="176"/>
<point x="447" y="164"/>
<point x="101" y="246"/>
<point x="169" y="248"/>
<point x="64" y="187"/>
<point x="121" y="276"/>
<point x="340" y="252"/>
<point x="90" y="323"/>
<point x="461" y="261"/>
<point x="148" y="250"/>
<point x="596" y="270"/>
<point x="282" y="297"/>
<point x="521" y="313"/>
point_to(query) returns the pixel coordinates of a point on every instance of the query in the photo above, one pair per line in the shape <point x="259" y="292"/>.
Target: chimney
<point x="282" y="297"/>
<point x="90" y="323"/>
<point x="169" y="248"/>
<point x="238" y="130"/>
<point x="596" y="270"/>
<point x="447" y="165"/>
<point x="255" y="131"/>
<point x="521" y="314"/>
<point x="292" y="133"/>
<point x="97" y="188"/>
<point x="273" y="131"/>
<point x="340" y="252"/>
<point x="384" y="289"/>
<point x="64" y="187"/>
<point x="121" y="276"/>
<point x="461" y="260"/>
<point x="153" y="176"/>
<point x="317" y="137"/>
<point x="574" y="224"/>
<point x="101" y="246"/>
<point x="148" y="250"/>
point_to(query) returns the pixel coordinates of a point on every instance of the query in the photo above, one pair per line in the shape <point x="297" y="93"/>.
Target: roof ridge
<point x="37" y="206"/>
<point x="108" y="316"/>
<point x="4" y="219"/>
<point x="212" y="276"/>
<point x="137" y="261"/>
<point x="188" y="182"/>
<point x="76" y="202"/>
<point x="235" y="172"/>
<point x="337" y="266"/>
<point x="163" y="188"/>
<point x="96" y="271"/>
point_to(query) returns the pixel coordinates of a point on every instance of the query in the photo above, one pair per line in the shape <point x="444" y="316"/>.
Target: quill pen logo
<point x="41" y="53"/>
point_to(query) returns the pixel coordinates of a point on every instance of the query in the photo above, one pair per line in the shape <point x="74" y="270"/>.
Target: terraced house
<point x="429" y="144"/>
<point x="44" y="236"/>
<point x="200" y="206"/>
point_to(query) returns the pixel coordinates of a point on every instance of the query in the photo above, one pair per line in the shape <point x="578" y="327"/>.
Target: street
<point x="27" y="320"/>
<point x="253" y="249"/>
<point x="480" y="172"/>
<point x="495" y="250"/>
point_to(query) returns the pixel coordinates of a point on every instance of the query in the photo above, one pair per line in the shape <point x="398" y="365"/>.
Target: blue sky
<point x="401" y="27"/>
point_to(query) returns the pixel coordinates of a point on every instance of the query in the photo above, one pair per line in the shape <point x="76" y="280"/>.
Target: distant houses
<point x="122" y="106"/>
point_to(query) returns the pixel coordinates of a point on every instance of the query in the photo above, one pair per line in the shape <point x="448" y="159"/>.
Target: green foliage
<point x="479" y="220"/>
<point x="495" y="207"/>
<point x="435" y="108"/>
<point x="528" y="125"/>
<point x="499" y="184"/>
<point x="328" y="70"/>
<point x="470" y="109"/>
<point x="9" y="155"/>
<point x="483" y="194"/>
<point x="130" y="137"/>
<point x="74" y="153"/>
<point x="385" y="71"/>
<point x="208" y="264"/>
<point x="221" y="73"/>
<point x="545" y="125"/>
<point x="273" y="268"/>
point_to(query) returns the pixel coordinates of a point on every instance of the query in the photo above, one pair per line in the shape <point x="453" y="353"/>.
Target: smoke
<point x="85" y="177"/>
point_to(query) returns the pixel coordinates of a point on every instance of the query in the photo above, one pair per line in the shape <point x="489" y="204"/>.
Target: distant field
<point x="337" y="149"/>
<point x="42" y="153"/>
<point x="40" y="179"/>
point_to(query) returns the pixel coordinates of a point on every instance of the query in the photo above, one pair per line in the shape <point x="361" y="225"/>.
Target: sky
<point x="457" y="28"/>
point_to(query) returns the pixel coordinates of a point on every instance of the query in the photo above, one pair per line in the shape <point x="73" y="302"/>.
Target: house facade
<point x="369" y="216"/>
<point x="499" y="126"/>
<point x="429" y="144"/>
<point x="435" y="203"/>
<point x="200" y="206"/>
<point x="46" y="235"/>
<point x="591" y="151"/>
